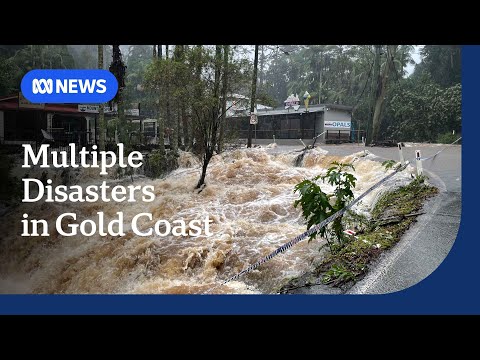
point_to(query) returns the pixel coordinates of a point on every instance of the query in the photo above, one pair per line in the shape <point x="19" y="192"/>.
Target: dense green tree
<point x="16" y="61"/>
<point x="442" y="62"/>
<point x="421" y="110"/>
<point x="349" y="75"/>
<point x="8" y="84"/>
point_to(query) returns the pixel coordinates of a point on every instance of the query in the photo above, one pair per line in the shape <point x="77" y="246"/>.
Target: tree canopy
<point x="420" y="106"/>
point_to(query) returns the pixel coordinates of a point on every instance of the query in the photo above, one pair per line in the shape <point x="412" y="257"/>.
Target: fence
<point x="342" y="136"/>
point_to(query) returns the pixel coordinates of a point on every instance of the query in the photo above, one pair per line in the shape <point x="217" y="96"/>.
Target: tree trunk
<point x="180" y="130"/>
<point x="179" y="57"/>
<point x="218" y="74"/>
<point x="196" y="137"/>
<point x="154" y="51"/>
<point x="198" y="71"/>
<point x="171" y="120"/>
<point x="118" y="69"/>
<point x="33" y="55"/>
<point x="375" y="91"/>
<point x="210" y="130"/>
<point x="226" y="49"/>
<point x="185" y="129"/>
<point x="168" y="119"/>
<point x="161" y="131"/>
<point x="206" y="160"/>
<point x="320" y="66"/>
<point x="160" y="55"/>
<point x="254" y="94"/>
<point x="380" y="101"/>
<point x="122" y="123"/>
<point x="101" y="116"/>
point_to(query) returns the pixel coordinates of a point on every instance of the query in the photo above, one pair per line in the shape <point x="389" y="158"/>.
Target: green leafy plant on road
<point x="318" y="205"/>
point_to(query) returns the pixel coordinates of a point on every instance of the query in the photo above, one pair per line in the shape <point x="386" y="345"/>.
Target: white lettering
<point x="118" y="222"/>
<point x="72" y="86"/>
<point x="135" y="226"/>
<point x="61" y="86"/>
<point x="58" y="224"/>
<point x="195" y="230"/>
<point x="135" y="156"/>
<point x="42" y="153"/>
<point x="167" y="227"/>
<point x="101" y="84"/>
<point x="181" y="227"/>
<point x="207" y="225"/>
<point x="26" y="190"/>
<point x="86" y="85"/>
<point x="83" y="227"/>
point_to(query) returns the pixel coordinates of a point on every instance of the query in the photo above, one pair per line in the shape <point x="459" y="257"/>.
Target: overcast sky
<point x="416" y="57"/>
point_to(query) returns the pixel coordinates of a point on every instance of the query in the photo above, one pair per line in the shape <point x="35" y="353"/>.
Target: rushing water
<point x="249" y="195"/>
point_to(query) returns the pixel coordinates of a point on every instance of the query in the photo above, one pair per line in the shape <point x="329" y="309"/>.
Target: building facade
<point x="22" y="121"/>
<point x="325" y="121"/>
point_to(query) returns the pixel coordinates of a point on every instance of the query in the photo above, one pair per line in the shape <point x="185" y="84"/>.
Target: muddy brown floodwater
<point x="249" y="195"/>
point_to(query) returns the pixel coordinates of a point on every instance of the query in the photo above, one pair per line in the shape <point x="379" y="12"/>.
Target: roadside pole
<point x="418" y="159"/>
<point x="254" y="122"/>
<point x="400" y="152"/>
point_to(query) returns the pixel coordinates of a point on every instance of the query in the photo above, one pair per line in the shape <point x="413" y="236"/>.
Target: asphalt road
<point x="426" y="244"/>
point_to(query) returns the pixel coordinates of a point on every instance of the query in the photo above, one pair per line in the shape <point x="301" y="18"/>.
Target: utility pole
<point x="320" y="66"/>
<point x="226" y="50"/>
<point x="262" y="67"/>
<point x="254" y="94"/>
<point x="101" y="116"/>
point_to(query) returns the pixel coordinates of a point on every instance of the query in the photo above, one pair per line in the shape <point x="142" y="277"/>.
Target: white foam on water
<point x="249" y="195"/>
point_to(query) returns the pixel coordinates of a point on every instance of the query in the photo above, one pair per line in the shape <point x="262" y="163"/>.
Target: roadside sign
<point x="253" y="119"/>
<point x="337" y="125"/>
<point x="88" y="108"/>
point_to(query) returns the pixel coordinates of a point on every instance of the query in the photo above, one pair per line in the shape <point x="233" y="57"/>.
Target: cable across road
<point x="310" y="231"/>
<point x="438" y="152"/>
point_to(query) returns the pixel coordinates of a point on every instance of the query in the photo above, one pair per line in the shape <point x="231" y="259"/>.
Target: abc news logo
<point x="70" y="86"/>
<point x="88" y="86"/>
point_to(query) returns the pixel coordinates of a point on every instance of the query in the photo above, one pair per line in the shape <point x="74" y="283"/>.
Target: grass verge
<point x="391" y="217"/>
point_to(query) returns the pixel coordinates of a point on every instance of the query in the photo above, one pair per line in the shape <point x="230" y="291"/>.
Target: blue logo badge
<point x="93" y="86"/>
